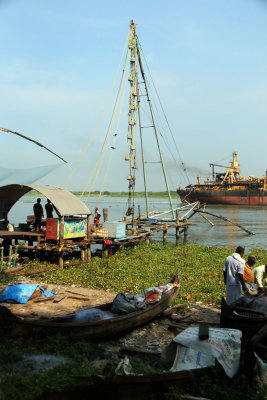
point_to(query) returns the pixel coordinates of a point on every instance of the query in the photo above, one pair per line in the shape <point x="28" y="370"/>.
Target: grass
<point x="129" y="270"/>
<point x="132" y="270"/>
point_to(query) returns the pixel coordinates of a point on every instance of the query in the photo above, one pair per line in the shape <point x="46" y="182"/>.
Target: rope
<point x="100" y="118"/>
<point x="182" y="163"/>
<point x="114" y="143"/>
<point x="107" y="138"/>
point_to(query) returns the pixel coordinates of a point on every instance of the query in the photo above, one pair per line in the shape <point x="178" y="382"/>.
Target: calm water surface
<point x="222" y="234"/>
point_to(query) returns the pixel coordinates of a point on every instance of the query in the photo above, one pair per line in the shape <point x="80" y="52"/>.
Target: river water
<point x="223" y="234"/>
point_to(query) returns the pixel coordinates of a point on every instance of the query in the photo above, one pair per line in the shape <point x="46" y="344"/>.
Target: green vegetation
<point x="106" y="193"/>
<point x="125" y="194"/>
<point x="129" y="270"/>
<point x="132" y="270"/>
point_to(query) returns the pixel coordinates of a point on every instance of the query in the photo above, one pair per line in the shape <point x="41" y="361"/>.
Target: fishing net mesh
<point x="24" y="175"/>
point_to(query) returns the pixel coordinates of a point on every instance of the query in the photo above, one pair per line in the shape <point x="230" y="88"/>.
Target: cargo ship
<point x="227" y="187"/>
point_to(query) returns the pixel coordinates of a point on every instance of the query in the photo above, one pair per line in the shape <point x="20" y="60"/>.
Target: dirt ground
<point x="67" y="299"/>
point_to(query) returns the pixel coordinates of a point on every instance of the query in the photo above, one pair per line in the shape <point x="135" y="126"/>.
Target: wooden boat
<point x="131" y="387"/>
<point x="92" y="330"/>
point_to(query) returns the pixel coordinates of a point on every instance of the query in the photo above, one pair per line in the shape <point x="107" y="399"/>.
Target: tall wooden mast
<point x="134" y="101"/>
<point x="131" y="134"/>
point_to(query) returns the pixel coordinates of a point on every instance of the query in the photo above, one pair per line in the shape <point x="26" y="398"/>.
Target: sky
<point x="207" y="60"/>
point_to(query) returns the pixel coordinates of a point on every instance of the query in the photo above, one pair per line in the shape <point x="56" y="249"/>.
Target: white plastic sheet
<point x="222" y="344"/>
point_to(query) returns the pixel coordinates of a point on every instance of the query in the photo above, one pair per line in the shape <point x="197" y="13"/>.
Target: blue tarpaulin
<point x="21" y="293"/>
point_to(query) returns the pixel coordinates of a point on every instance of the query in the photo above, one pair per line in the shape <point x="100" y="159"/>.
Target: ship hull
<point x="236" y="196"/>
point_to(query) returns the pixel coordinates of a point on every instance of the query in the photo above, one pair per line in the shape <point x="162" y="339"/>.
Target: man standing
<point x="38" y="214"/>
<point x="248" y="275"/>
<point x="233" y="275"/>
<point x="260" y="274"/>
<point x="49" y="209"/>
<point x="97" y="217"/>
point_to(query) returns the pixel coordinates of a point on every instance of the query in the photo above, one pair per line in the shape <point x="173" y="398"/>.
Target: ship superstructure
<point x="227" y="187"/>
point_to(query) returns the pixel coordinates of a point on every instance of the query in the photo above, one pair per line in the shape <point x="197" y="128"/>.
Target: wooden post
<point x="186" y="227"/>
<point x="104" y="252"/>
<point x="2" y="258"/>
<point x="88" y="231"/>
<point x="15" y="256"/>
<point x="9" y="257"/>
<point x="165" y="233"/>
<point x="88" y="254"/>
<point x="177" y="233"/>
<point x="61" y="241"/>
<point x="60" y="260"/>
<point x="139" y="217"/>
<point x="105" y="214"/>
<point x="82" y="255"/>
<point x="88" y="236"/>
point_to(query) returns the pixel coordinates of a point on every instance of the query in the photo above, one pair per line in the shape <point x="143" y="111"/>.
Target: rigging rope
<point x="100" y="118"/>
<point x="114" y="143"/>
<point x="166" y="144"/>
<point x="107" y="138"/>
<point x="182" y="163"/>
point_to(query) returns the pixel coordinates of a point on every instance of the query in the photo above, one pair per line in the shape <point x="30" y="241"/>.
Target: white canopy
<point x="65" y="202"/>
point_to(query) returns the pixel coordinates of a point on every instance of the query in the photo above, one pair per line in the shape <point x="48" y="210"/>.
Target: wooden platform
<point x="30" y="237"/>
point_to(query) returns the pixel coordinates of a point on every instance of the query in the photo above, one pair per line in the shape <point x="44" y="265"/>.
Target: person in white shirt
<point x="260" y="274"/>
<point x="233" y="275"/>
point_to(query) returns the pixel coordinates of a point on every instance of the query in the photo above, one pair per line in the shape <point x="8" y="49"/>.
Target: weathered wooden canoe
<point x="131" y="387"/>
<point x="92" y="330"/>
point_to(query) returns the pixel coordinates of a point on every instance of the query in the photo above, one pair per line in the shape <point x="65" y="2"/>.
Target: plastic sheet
<point x="89" y="315"/>
<point x="222" y="344"/>
<point x="253" y="303"/>
<point x="22" y="293"/>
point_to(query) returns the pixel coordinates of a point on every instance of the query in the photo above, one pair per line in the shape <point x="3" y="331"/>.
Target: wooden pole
<point x="2" y="258"/>
<point x="206" y="218"/>
<point x="104" y="252"/>
<point x="230" y="221"/>
<point x="105" y="214"/>
<point x="61" y="241"/>
<point x="139" y="216"/>
<point x="177" y="233"/>
<point x="88" y="236"/>
<point x="186" y="227"/>
<point x="15" y="257"/>
<point x="88" y="230"/>
<point x="165" y="234"/>
<point x="82" y="255"/>
<point x="88" y="254"/>
<point x="9" y="257"/>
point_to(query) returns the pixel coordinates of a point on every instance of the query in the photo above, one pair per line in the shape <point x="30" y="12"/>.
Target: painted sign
<point x="73" y="228"/>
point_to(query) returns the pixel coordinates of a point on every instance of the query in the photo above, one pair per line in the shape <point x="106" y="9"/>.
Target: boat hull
<point x="234" y="196"/>
<point x="91" y="330"/>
